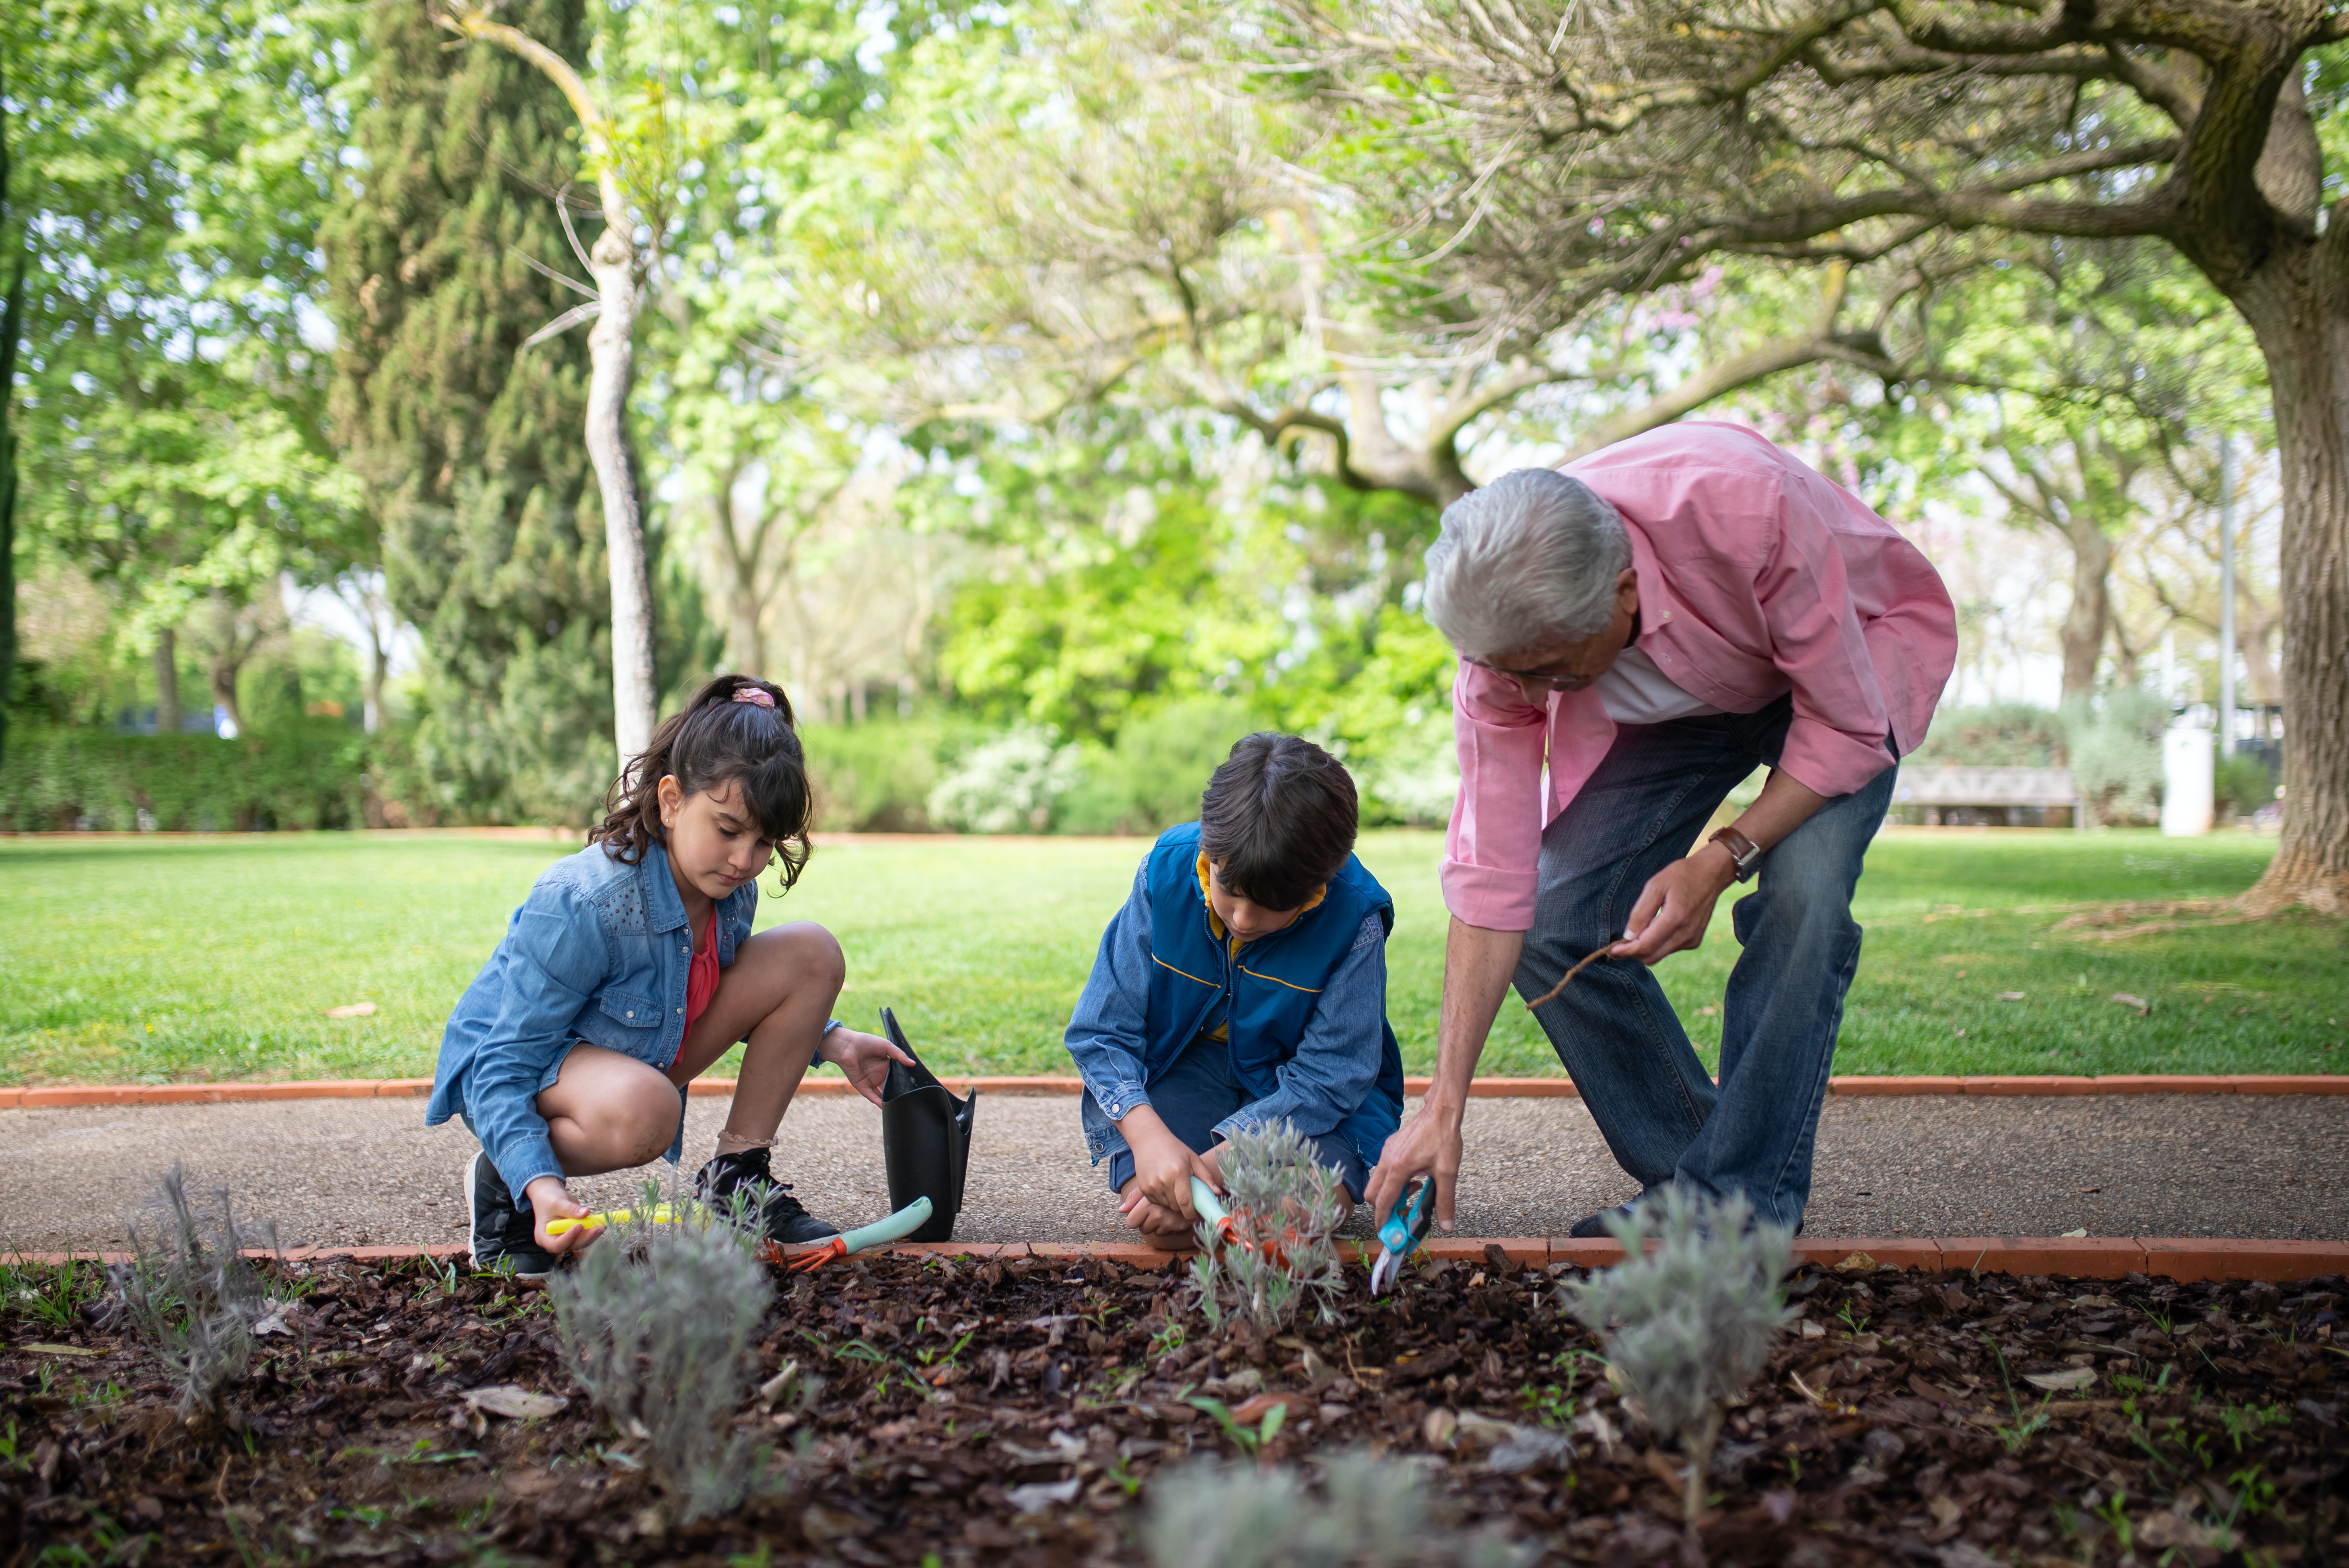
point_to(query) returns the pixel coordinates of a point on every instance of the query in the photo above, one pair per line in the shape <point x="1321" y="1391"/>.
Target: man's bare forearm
<point x="1477" y="967"/>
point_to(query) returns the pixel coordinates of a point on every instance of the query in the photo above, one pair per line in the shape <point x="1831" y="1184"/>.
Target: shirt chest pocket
<point x="631" y="1011"/>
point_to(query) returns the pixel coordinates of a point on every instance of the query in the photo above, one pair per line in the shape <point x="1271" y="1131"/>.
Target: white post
<point x="2186" y="781"/>
<point x="2227" y="596"/>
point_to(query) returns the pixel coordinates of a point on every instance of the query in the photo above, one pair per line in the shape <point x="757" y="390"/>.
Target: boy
<point x="1244" y="982"/>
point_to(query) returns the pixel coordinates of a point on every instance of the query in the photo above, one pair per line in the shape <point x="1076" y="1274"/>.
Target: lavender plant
<point x="1371" y="1513"/>
<point x="656" y="1323"/>
<point x="187" y="1290"/>
<point x="1688" y="1325"/>
<point x="1285" y="1206"/>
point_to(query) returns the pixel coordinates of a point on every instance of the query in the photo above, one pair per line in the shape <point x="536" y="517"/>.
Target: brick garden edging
<point x="2181" y="1258"/>
<point x="58" y="1095"/>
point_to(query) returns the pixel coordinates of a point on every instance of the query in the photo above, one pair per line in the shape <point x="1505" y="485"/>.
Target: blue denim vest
<point x="1270" y="990"/>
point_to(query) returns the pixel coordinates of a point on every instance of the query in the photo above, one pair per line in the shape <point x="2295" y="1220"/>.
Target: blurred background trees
<point x="1049" y="393"/>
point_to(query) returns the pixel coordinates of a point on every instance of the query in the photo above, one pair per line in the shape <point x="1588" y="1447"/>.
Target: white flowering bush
<point x="1689" y="1325"/>
<point x="1007" y="786"/>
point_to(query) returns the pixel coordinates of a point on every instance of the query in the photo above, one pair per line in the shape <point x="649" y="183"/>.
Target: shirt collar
<point x="1215" y="922"/>
<point x="667" y="908"/>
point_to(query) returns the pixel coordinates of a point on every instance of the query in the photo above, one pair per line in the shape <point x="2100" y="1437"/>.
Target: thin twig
<point x="1551" y="995"/>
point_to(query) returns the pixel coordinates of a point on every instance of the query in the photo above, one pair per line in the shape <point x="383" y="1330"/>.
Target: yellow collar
<point x="1215" y="922"/>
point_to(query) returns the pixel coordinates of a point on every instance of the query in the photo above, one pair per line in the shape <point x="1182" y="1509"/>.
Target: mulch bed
<point x="1014" y="1411"/>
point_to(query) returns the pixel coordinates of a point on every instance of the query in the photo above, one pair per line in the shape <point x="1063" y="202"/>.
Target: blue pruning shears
<point x="1405" y="1229"/>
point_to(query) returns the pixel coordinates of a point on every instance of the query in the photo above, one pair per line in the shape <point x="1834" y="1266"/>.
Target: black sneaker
<point x="1593" y="1227"/>
<point x="779" y="1214"/>
<point x="504" y="1238"/>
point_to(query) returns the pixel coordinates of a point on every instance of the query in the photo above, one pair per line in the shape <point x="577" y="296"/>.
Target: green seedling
<point x="1856" y="1325"/>
<point x="2017" y="1434"/>
<point x="2243" y="1420"/>
<point x="1250" y="1439"/>
<point x="1167" y="1341"/>
<point x="2113" y="1512"/>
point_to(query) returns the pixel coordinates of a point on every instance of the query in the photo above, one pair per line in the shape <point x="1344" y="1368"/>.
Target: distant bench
<point x="1988" y="795"/>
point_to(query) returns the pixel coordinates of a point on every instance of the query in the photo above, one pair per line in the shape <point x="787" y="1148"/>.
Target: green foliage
<point x="1285" y="1207"/>
<point x="471" y="446"/>
<point x="2114" y="744"/>
<point x="1010" y="784"/>
<point x="657" y="1324"/>
<point x="2245" y="783"/>
<point x="1369" y="1512"/>
<point x="877" y="778"/>
<point x="1152" y="778"/>
<point x="1997" y="735"/>
<point x="12" y="311"/>
<point x="312" y="774"/>
<point x="175" y="158"/>
<point x="1689" y="1324"/>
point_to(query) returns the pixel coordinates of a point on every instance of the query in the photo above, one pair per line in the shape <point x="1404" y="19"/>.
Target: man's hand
<point x="1676" y="906"/>
<point x="1426" y="1145"/>
<point x="551" y="1200"/>
<point x="865" y="1058"/>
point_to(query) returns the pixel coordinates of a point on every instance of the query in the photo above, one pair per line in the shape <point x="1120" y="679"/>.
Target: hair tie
<point x="757" y="695"/>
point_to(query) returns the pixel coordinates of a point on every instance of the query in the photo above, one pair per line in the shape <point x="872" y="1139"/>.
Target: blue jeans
<point x="1198" y="1092"/>
<point x="1619" y="1038"/>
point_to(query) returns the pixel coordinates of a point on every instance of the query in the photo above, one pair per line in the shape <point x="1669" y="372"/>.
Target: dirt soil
<point x="990" y="1411"/>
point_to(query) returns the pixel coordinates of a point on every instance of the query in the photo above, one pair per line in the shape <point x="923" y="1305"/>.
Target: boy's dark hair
<point x="1278" y="818"/>
<point x="719" y="737"/>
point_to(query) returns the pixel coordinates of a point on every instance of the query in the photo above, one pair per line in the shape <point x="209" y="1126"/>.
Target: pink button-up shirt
<point x="1757" y="576"/>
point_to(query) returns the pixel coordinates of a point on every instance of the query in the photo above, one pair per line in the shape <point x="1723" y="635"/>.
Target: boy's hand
<point x="864" y="1058"/>
<point x="1143" y="1215"/>
<point x="1163" y="1163"/>
<point x="551" y="1200"/>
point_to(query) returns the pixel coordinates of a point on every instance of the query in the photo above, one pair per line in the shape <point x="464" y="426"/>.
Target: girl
<point x="631" y="968"/>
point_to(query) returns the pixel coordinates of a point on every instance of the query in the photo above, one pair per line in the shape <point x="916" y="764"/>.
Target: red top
<point x="701" y="977"/>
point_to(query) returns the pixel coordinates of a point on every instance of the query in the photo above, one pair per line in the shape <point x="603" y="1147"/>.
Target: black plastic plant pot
<point x="925" y="1138"/>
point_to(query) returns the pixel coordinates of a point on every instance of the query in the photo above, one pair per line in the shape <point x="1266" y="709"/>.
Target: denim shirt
<point x="599" y="953"/>
<point x="1334" y="1069"/>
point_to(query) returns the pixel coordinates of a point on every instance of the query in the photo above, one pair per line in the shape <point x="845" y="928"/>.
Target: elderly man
<point x="1636" y="634"/>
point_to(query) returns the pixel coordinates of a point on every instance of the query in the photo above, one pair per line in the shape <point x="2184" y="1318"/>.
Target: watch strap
<point x="1744" y="852"/>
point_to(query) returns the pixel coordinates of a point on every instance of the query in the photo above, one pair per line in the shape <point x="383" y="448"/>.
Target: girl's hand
<point x="551" y="1200"/>
<point x="865" y="1060"/>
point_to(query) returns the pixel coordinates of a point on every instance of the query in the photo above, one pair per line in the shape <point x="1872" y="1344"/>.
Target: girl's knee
<point x="806" y="949"/>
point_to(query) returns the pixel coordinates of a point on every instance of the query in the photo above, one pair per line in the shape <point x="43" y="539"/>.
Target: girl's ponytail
<point x="737" y="729"/>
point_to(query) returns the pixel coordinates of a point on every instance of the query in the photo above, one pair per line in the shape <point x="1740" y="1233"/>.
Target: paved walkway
<point x="353" y="1172"/>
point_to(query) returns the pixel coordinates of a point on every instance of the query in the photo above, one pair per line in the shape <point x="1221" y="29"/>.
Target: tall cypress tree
<point x="492" y="537"/>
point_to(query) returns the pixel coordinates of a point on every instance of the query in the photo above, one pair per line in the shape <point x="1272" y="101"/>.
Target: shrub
<point x="1285" y="1205"/>
<point x="1371" y="1513"/>
<point x="1995" y="734"/>
<point x="1009" y="785"/>
<point x="2115" y="752"/>
<point x="877" y="778"/>
<point x="1689" y="1325"/>
<point x="188" y="1291"/>
<point x="656" y="1323"/>
<point x="312" y="776"/>
<point x="2245" y="783"/>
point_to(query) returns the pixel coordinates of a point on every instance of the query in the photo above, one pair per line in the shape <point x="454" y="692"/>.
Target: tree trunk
<point x="225" y="660"/>
<point x="746" y="650"/>
<point x="167" y="682"/>
<point x="371" y="680"/>
<point x="2298" y="306"/>
<point x="611" y="350"/>
<point x="2086" y="621"/>
<point x="610" y="360"/>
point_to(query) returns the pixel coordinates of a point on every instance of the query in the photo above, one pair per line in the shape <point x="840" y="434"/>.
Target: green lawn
<point x="149" y="961"/>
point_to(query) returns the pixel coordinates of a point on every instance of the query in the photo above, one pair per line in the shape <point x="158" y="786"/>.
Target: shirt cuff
<point x="1494" y="897"/>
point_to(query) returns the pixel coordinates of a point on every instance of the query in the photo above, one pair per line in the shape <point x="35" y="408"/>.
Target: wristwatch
<point x="1744" y="852"/>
